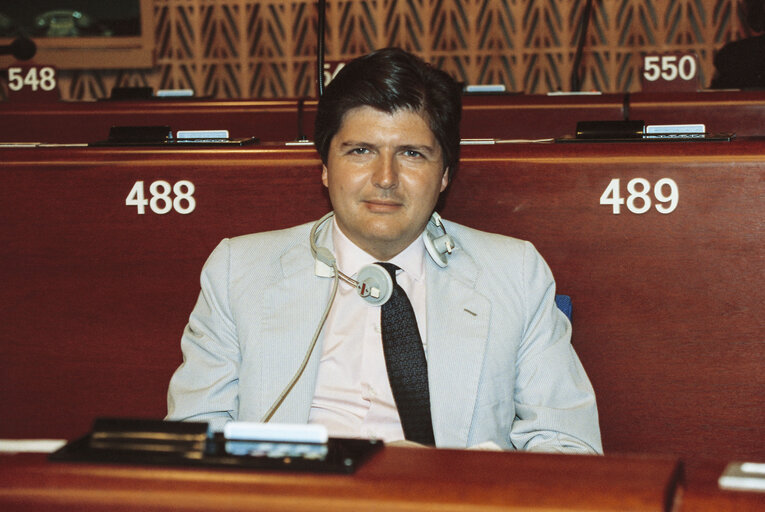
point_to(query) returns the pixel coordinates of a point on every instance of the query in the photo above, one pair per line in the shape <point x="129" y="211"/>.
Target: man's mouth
<point x="382" y="205"/>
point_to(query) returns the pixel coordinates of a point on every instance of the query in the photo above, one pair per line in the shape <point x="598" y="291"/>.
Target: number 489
<point x="639" y="201"/>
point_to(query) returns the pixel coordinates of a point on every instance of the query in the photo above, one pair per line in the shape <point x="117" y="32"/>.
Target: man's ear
<point x="324" y="178"/>
<point x="445" y="179"/>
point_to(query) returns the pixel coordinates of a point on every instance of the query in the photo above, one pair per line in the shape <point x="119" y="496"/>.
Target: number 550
<point x="669" y="67"/>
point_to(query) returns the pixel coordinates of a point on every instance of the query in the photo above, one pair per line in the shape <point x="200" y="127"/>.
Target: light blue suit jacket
<point x="500" y="364"/>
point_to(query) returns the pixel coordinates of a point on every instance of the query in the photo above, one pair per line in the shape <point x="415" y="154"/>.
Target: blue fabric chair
<point x="564" y="304"/>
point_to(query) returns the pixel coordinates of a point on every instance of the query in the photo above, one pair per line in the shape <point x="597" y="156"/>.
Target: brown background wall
<point x="266" y="48"/>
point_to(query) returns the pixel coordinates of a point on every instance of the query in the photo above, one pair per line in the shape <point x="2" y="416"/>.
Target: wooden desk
<point x="484" y="116"/>
<point x="401" y="479"/>
<point x="667" y="307"/>
<point x="501" y="116"/>
<point x="739" y="112"/>
<point x="81" y="122"/>
<point x="535" y="116"/>
<point x="539" y="116"/>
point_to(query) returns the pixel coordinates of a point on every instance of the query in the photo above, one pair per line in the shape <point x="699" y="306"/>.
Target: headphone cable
<point x="299" y="372"/>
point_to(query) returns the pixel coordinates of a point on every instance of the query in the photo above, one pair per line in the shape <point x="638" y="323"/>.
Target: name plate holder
<point x="192" y="444"/>
<point x="163" y="136"/>
<point x="638" y="131"/>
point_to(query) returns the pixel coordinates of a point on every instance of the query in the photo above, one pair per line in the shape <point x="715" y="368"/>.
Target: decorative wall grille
<point x="266" y="48"/>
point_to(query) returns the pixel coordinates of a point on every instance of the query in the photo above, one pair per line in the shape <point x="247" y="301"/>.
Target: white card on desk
<point x="743" y="476"/>
<point x="30" y="445"/>
<point x="277" y="432"/>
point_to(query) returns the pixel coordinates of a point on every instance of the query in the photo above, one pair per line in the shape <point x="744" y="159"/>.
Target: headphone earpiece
<point x="437" y="241"/>
<point x="374" y="284"/>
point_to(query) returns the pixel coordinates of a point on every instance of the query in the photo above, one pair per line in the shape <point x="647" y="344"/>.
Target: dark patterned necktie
<point x="406" y="364"/>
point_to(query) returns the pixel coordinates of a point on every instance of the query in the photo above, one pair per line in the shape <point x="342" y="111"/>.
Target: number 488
<point x="639" y="200"/>
<point x="161" y="202"/>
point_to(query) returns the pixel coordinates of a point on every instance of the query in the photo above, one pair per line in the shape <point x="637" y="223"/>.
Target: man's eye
<point x="412" y="153"/>
<point x="359" y="151"/>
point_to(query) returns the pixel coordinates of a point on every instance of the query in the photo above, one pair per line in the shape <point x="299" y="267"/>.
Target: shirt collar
<point x="350" y="257"/>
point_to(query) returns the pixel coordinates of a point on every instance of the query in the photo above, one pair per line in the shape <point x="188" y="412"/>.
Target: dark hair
<point x="389" y="80"/>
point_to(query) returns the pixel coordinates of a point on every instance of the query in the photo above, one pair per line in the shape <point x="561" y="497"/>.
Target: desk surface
<point x="400" y="479"/>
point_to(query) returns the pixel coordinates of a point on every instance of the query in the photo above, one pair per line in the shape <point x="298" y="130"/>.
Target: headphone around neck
<point x="373" y="282"/>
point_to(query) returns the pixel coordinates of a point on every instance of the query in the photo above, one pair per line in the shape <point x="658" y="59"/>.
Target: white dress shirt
<point x="353" y="397"/>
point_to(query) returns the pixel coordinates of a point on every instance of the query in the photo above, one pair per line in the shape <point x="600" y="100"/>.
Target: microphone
<point x="22" y="48"/>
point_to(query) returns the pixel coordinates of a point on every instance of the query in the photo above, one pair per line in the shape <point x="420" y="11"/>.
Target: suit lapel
<point x="294" y="307"/>
<point x="457" y="332"/>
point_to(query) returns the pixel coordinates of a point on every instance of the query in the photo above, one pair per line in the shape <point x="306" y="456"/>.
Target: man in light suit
<point x="500" y="368"/>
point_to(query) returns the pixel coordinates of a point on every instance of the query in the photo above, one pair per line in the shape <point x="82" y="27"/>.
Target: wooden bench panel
<point x="666" y="307"/>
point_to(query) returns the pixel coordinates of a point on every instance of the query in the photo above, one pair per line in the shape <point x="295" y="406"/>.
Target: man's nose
<point x="386" y="172"/>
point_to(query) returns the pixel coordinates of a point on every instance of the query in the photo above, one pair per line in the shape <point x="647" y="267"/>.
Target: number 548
<point x="45" y="79"/>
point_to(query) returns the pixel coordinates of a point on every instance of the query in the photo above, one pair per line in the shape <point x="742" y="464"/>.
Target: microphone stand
<point x="320" y="45"/>
<point x="584" y="23"/>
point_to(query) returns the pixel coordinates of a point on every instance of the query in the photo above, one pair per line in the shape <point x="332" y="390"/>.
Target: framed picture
<point x="82" y="34"/>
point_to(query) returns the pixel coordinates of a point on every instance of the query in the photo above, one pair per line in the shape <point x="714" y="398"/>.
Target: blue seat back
<point x="564" y="304"/>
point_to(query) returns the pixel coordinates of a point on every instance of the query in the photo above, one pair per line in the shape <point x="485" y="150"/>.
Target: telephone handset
<point x="67" y="23"/>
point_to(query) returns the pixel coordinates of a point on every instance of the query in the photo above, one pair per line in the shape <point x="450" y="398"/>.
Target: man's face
<point x="384" y="173"/>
